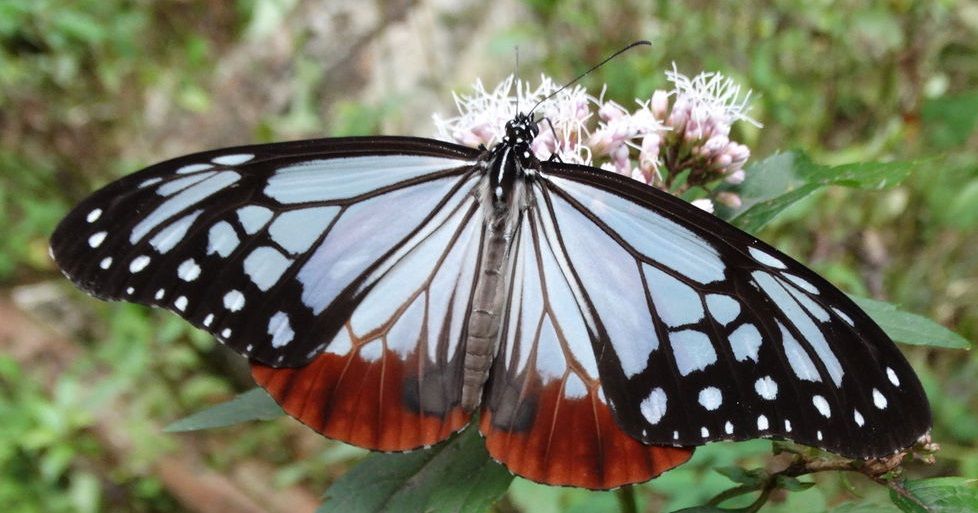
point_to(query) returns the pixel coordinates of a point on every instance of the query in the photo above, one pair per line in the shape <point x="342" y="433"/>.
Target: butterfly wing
<point x="268" y="247"/>
<point x="391" y="379"/>
<point x="702" y="332"/>
<point x="545" y="414"/>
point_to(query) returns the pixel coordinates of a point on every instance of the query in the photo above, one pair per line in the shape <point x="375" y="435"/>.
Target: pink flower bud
<point x="660" y="103"/>
<point x="736" y="177"/>
<point x="729" y="199"/>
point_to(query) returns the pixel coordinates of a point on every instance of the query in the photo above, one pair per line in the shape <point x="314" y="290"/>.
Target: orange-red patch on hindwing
<point x="359" y="401"/>
<point x="548" y="437"/>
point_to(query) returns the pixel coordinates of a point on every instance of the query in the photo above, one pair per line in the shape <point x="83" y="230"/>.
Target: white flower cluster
<point x="672" y="132"/>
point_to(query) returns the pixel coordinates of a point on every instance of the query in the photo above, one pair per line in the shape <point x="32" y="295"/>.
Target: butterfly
<point x="388" y="291"/>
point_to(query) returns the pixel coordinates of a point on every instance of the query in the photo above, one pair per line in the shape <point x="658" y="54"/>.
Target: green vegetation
<point x="870" y="113"/>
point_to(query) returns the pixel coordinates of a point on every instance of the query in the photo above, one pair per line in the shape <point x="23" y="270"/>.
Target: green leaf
<point x="939" y="495"/>
<point x="752" y="478"/>
<point x="254" y="404"/>
<point x="950" y="120"/>
<point x="456" y="476"/>
<point x="780" y="180"/>
<point x="910" y="328"/>
<point x="791" y="484"/>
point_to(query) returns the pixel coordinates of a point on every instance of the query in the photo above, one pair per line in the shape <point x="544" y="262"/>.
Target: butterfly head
<point x="521" y="130"/>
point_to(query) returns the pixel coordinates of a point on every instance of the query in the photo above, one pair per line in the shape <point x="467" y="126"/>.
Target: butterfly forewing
<point x="266" y="246"/>
<point x="703" y="332"/>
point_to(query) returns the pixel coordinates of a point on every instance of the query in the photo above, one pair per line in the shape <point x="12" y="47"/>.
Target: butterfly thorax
<point x="506" y="165"/>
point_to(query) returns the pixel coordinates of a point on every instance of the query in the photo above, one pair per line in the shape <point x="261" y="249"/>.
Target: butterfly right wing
<point x="545" y="415"/>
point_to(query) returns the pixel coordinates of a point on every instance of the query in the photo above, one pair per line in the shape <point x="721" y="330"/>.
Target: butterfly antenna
<point x="582" y="75"/>
<point x="516" y="73"/>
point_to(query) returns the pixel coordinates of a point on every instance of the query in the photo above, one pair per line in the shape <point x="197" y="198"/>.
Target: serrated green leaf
<point x="910" y="328"/>
<point x="780" y="180"/>
<point x="939" y="495"/>
<point x="254" y="404"/>
<point x="456" y="476"/>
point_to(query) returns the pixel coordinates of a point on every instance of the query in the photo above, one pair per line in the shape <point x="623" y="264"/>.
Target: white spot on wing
<point x="879" y="399"/>
<point x="574" y="388"/>
<point x="704" y="432"/>
<point x="787" y="426"/>
<point x="105" y="263"/>
<point x="96" y="239"/>
<point x="226" y="332"/>
<point x="208" y="320"/>
<point x="174" y="186"/>
<point x="762" y="423"/>
<point x="372" y="352"/>
<point x="801" y="283"/>
<point x="724" y="309"/>
<point x="188" y="270"/>
<point x="798" y="359"/>
<point x="159" y="294"/>
<point x="844" y="317"/>
<point x="139" y="263"/>
<point x="858" y="417"/>
<point x="265" y="266"/>
<point x="728" y="428"/>
<point x="253" y="218"/>
<point x="822" y="406"/>
<point x="234" y="300"/>
<point x="190" y="168"/>
<point x="94" y="215"/>
<point x="280" y="329"/>
<point x="745" y="341"/>
<point x="654" y="406"/>
<point x="767" y="388"/>
<point x="818" y="434"/>
<point x="766" y="258"/>
<point x="676" y="302"/>
<point x="893" y="377"/>
<point x="233" y="160"/>
<point x="692" y="351"/>
<point x="130" y="290"/>
<point x="711" y="398"/>
<point x="167" y="238"/>
<point x="181" y="303"/>
<point x="222" y="239"/>
<point x="296" y="230"/>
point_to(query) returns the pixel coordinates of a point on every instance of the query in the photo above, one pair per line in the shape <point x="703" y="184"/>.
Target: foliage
<point x="883" y="97"/>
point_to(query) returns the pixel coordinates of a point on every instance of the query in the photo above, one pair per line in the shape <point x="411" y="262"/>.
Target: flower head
<point x="684" y="129"/>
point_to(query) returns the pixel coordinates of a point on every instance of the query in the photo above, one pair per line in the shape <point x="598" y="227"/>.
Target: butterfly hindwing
<point x="705" y="333"/>
<point x="545" y="414"/>
<point x="264" y="246"/>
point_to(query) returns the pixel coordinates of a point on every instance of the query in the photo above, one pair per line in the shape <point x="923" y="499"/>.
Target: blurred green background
<point x="91" y="90"/>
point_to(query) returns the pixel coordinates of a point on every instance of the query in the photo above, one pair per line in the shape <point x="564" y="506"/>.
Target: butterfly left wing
<point x="346" y="263"/>
<point x="263" y="246"/>
<point x="391" y="379"/>
<point x="702" y="332"/>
